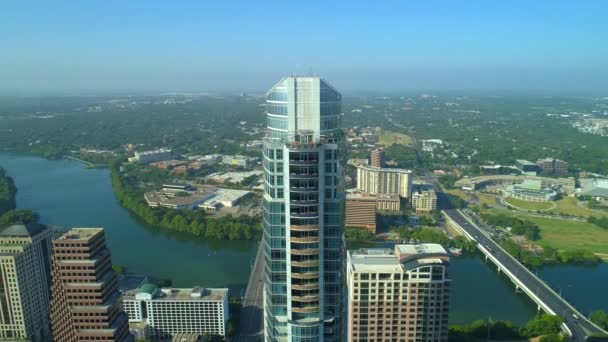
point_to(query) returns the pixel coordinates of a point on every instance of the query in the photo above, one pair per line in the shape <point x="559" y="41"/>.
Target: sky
<point x="95" y="47"/>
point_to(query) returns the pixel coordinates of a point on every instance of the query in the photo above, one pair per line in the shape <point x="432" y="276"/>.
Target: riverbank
<point x="194" y="222"/>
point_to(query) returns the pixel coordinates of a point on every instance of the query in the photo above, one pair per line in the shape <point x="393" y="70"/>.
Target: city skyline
<point x="117" y="47"/>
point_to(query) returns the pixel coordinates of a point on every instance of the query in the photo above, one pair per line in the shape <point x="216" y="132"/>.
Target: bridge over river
<point x="575" y="324"/>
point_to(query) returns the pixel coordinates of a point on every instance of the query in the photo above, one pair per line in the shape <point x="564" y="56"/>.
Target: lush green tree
<point x="600" y="317"/>
<point x="8" y="192"/>
<point x="23" y="216"/>
<point x="551" y="338"/>
<point x="543" y="324"/>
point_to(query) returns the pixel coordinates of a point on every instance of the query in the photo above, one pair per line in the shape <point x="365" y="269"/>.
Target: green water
<point x="67" y="194"/>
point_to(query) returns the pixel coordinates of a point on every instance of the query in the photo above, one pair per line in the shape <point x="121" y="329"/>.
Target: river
<point x="67" y="194"/>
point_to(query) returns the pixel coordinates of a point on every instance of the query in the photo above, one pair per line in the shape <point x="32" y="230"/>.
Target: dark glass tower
<point x="304" y="212"/>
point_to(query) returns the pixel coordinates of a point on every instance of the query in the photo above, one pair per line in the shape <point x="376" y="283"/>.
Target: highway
<point x="252" y="315"/>
<point x="576" y="322"/>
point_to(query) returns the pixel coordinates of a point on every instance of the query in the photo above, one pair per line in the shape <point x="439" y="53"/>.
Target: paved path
<point x="252" y="314"/>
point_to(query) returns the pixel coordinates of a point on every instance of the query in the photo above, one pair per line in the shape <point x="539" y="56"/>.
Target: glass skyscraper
<point x="304" y="201"/>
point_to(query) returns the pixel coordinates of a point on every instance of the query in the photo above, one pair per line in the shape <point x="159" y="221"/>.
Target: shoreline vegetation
<point x="197" y="222"/>
<point x="8" y="193"/>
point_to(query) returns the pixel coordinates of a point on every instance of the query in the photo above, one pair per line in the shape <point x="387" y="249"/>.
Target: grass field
<point x="529" y="205"/>
<point x="567" y="205"/>
<point x="390" y="138"/>
<point x="570" y="235"/>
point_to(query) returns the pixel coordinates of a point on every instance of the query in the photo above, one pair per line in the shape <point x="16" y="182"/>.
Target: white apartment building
<point x="376" y="180"/>
<point x="25" y="261"/>
<point x="398" y="295"/>
<point x="170" y="311"/>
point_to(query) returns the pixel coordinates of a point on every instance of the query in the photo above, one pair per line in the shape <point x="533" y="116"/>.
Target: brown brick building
<point x="85" y="303"/>
<point x="377" y="158"/>
<point x="398" y="295"/>
<point x="361" y="212"/>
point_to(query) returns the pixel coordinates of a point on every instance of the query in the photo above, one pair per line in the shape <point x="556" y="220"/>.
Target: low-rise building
<point x="232" y="177"/>
<point x="398" y="295"/>
<point x="424" y="199"/>
<point x="530" y="190"/>
<point x="388" y="203"/>
<point x="168" y="312"/>
<point x="237" y="160"/>
<point x="146" y="157"/>
<point x="167" y="164"/>
<point x="178" y="199"/>
<point x="187" y="196"/>
<point x="594" y="187"/>
<point x="527" y="167"/>
<point x="553" y="166"/>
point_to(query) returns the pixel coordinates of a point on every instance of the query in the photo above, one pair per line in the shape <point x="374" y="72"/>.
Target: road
<point x="575" y="321"/>
<point x="252" y="314"/>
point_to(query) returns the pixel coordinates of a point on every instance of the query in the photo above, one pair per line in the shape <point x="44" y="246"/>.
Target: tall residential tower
<point x="303" y="212"/>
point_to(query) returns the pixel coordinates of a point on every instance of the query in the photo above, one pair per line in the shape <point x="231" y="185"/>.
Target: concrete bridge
<point x="575" y="323"/>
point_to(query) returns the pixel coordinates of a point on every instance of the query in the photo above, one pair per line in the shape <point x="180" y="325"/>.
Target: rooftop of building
<point x="169" y="198"/>
<point x="531" y="184"/>
<point x="388" y="197"/>
<point x="22" y="230"/>
<point x="596" y="187"/>
<point x="402" y="257"/>
<point x="525" y="162"/>
<point x="167" y="294"/>
<point x="80" y="234"/>
<point x="383" y="169"/>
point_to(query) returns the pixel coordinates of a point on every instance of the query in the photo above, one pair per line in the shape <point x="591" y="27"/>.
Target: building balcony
<point x="303" y="215"/>
<point x="308" y="263"/>
<point x="305" y="299"/>
<point x="309" y="239"/>
<point x="303" y="162"/>
<point x="303" y="228"/>
<point x="314" y="251"/>
<point x="305" y="309"/>
<point x="303" y="175"/>
<point x="308" y="275"/>
<point x="309" y="286"/>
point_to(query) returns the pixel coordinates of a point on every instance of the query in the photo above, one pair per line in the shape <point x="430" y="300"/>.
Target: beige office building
<point x="25" y="262"/>
<point x="398" y="295"/>
<point x="375" y="180"/>
<point x="424" y="201"/>
<point x="388" y="203"/>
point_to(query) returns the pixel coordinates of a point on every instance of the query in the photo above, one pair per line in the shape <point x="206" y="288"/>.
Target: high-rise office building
<point x="85" y="302"/>
<point x="377" y="157"/>
<point x="398" y="295"/>
<point x="25" y="275"/>
<point x="376" y="180"/>
<point x="303" y="212"/>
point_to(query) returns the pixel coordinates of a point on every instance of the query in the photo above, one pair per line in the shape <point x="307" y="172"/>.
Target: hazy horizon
<point x="117" y="47"/>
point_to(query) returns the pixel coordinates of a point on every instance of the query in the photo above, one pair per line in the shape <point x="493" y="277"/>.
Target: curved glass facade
<point x="303" y="212"/>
